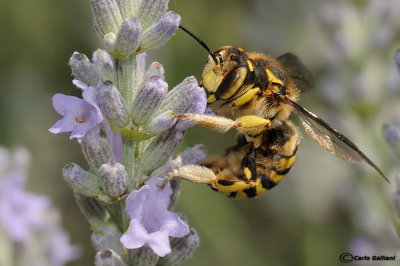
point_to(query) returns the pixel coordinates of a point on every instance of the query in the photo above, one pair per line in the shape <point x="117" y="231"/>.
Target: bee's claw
<point x="179" y="116"/>
<point x="167" y="179"/>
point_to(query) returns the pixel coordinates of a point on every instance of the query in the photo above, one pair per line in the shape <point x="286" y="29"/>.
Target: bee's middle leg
<point x="247" y="125"/>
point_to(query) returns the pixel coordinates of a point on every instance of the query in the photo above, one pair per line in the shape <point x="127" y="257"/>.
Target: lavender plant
<point x="358" y="53"/>
<point x="125" y="127"/>
<point x="30" y="230"/>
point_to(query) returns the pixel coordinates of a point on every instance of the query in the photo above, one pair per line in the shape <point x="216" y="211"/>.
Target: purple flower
<point x="79" y="84"/>
<point x="28" y="220"/>
<point x="151" y="222"/>
<point x="80" y="115"/>
<point x="20" y="212"/>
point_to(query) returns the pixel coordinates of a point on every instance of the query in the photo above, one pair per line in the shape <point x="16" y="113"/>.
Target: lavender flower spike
<point x="27" y="220"/>
<point x="151" y="222"/>
<point x="20" y="212"/>
<point x="126" y="128"/>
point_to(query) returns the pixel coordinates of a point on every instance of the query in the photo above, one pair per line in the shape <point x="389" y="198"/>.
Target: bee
<point x="258" y="94"/>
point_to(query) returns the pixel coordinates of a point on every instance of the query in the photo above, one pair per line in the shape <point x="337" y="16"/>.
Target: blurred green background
<point x="323" y="208"/>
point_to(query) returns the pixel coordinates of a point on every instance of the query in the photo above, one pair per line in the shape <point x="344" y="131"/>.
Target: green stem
<point x="129" y="160"/>
<point x="140" y="149"/>
<point x="129" y="77"/>
<point x="120" y="217"/>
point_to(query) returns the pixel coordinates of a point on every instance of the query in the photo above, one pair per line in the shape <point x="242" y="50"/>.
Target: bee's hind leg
<point x="191" y="172"/>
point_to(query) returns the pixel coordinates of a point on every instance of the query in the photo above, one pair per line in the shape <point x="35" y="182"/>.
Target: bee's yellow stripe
<point x="275" y="177"/>
<point x="272" y="78"/>
<point x="260" y="188"/>
<point x="250" y="64"/>
<point x="247" y="173"/>
<point x="290" y="161"/>
<point x="286" y="163"/>
<point x="230" y="186"/>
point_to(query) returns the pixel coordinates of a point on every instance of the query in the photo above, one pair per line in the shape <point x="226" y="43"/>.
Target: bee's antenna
<point x="200" y="42"/>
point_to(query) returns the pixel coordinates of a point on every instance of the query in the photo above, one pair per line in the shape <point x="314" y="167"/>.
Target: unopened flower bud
<point x="108" y="258"/>
<point x="182" y="249"/>
<point x="128" y="38"/>
<point x="179" y="97"/>
<point x="93" y="211"/>
<point x="159" y="123"/>
<point x="109" y="41"/>
<point x="104" y="64"/>
<point x="106" y="16"/>
<point x="144" y="256"/>
<point x="161" y="148"/>
<point x="193" y="155"/>
<point x="173" y="163"/>
<point x="83" y="69"/>
<point x="197" y="105"/>
<point x="112" y="105"/>
<point x="107" y="238"/>
<point x="128" y="8"/>
<point x="96" y="149"/>
<point x="81" y="180"/>
<point x="113" y="178"/>
<point x="148" y="100"/>
<point x="151" y="10"/>
<point x="157" y="34"/>
<point x="155" y="70"/>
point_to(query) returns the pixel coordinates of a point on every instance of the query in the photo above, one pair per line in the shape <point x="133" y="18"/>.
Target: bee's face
<point x="223" y="79"/>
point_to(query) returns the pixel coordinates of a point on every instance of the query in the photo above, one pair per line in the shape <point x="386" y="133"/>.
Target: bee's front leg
<point x="247" y="125"/>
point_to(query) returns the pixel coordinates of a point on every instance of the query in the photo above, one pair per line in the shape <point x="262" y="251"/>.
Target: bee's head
<point x="224" y="73"/>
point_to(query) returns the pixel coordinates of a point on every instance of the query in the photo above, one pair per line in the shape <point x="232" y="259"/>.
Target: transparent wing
<point x="331" y="139"/>
<point x="301" y="76"/>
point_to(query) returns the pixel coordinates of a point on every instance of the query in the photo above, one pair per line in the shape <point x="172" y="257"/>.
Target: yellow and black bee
<point x="258" y="94"/>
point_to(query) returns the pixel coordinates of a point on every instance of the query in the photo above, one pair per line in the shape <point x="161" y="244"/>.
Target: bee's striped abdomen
<point x="261" y="168"/>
